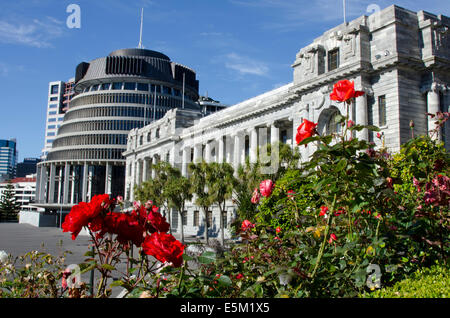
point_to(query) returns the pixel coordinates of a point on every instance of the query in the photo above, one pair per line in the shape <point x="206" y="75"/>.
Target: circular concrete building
<point x="127" y="89"/>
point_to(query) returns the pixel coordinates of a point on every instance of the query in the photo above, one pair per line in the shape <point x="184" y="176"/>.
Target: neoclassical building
<point x="127" y="89"/>
<point x="399" y="58"/>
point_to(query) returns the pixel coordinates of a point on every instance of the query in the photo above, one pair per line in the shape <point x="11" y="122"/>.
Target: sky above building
<point x="238" y="48"/>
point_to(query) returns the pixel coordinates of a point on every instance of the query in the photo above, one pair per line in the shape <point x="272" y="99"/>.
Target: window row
<point x="115" y="111"/>
<point x="101" y="125"/>
<point x="133" y="86"/>
<point x="126" y="98"/>
<point x="86" y="154"/>
<point x="103" y="139"/>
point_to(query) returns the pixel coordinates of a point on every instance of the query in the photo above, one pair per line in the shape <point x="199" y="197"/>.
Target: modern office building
<point x="59" y="96"/>
<point x="127" y="89"/>
<point x="28" y="166"/>
<point x="399" y="58"/>
<point x="8" y="159"/>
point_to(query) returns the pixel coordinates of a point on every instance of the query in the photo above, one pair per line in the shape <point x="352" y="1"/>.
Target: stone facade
<point x="399" y="58"/>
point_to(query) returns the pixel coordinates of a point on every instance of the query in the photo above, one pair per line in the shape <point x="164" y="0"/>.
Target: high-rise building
<point x="8" y="159"/>
<point x="127" y="89"/>
<point x="59" y="96"/>
<point x="28" y="166"/>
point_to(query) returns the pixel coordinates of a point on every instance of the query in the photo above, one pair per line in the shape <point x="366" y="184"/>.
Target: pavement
<point x="18" y="239"/>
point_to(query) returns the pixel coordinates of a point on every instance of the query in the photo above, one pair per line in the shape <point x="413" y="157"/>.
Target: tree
<point x="156" y="189"/>
<point x="9" y="208"/>
<point x="178" y="192"/>
<point x="220" y="183"/>
<point x="198" y="178"/>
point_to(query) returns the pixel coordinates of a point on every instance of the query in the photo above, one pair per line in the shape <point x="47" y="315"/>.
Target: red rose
<point x="344" y="90"/>
<point x="333" y="237"/>
<point x="76" y="219"/>
<point x="305" y="130"/>
<point x="266" y="187"/>
<point x="157" y="222"/>
<point x="323" y="211"/>
<point x="164" y="247"/>
<point x="278" y="229"/>
<point x="247" y="225"/>
<point x="291" y="194"/>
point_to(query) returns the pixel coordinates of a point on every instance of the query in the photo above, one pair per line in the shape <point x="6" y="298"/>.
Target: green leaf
<point x="341" y="164"/>
<point x="108" y="267"/>
<point x="187" y="257"/>
<point x="224" y="281"/>
<point x="207" y="258"/>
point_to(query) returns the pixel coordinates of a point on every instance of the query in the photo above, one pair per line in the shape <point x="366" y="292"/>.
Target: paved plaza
<point x="17" y="239"/>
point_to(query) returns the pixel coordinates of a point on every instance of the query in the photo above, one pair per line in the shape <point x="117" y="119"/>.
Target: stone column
<point x="362" y="116"/>
<point x="253" y="145"/>
<point x="229" y="149"/>
<point x="84" y="188"/>
<point x="72" y="191"/>
<point x="208" y="152"/>
<point x="237" y="150"/>
<point x="38" y="184"/>
<point x="66" y="184"/>
<point x="51" y="190"/>
<point x="197" y="153"/>
<point x="145" y="170"/>
<point x="185" y="161"/>
<point x="108" y="178"/>
<point x="433" y="107"/>
<point x="274" y="133"/>
<point x="221" y="150"/>
<point x="138" y="172"/>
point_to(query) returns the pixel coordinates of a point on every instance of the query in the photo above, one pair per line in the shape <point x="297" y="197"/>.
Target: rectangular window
<point x="142" y="87"/>
<point x="196" y="218"/>
<point x="209" y="218"/>
<point x="158" y="88"/>
<point x="184" y="218"/>
<point x="167" y="90"/>
<point x="129" y="86"/>
<point x="50" y="134"/>
<point x="333" y="59"/>
<point x="382" y="110"/>
<point x="52" y="112"/>
<point x="51" y="120"/>
<point x="94" y="88"/>
<point x="116" y="85"/>
<point x="54" y="89"/>
<point x="105" y="86"/>
<point x="53" y="99"/>
<point x="53" y="106"/>
<point x="51" y="126"/>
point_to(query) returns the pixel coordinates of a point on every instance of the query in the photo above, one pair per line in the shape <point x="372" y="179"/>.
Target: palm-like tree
<point x="179" y="191"/>
<point x="199" y="187"/>
<point x="220" y="182"/>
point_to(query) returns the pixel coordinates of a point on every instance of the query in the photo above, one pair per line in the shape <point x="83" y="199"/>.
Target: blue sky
<point x="238" y="48"/>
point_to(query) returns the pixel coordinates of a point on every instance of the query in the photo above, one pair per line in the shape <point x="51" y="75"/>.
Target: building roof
<point x="21" y="179"/>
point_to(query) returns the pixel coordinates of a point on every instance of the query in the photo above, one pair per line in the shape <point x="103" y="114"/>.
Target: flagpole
<point x="345" y="18"/>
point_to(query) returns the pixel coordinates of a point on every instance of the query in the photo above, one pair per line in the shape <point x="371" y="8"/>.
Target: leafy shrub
<point x="433" y="282"/>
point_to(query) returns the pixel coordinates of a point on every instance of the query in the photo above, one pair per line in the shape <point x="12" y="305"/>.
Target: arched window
<point x="332" y="127"/>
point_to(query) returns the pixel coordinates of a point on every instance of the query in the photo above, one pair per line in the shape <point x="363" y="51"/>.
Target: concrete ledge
<point x="37" y="219"/>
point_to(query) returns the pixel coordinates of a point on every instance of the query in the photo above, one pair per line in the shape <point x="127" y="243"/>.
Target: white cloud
<point x="245" y="65"/>
<point x="35" y="33"/>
